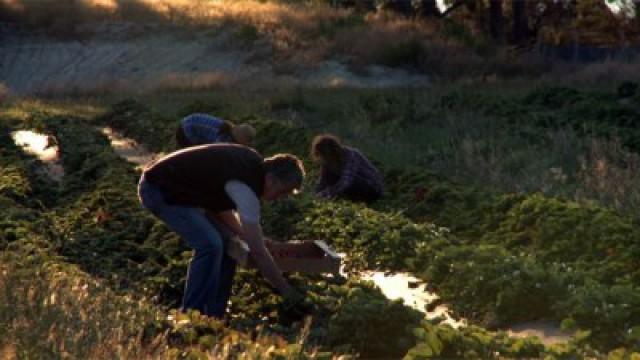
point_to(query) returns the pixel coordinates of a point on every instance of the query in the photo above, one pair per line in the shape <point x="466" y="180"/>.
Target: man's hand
<point x="228" y="220"/>
<point x="295" y="306"/>
<point x="263" y="259"/>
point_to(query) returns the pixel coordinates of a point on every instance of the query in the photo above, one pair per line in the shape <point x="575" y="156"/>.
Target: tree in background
<point x="592" y="22"/>
<point x="522" y="22"/>
<point x="496" y="20"/>
<point x="520" y="29"/>
<point x="428" y="9"/>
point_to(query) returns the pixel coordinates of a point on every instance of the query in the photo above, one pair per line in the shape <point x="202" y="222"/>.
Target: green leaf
<point x="421" y="351"/>
<point x="435" y="343"/>
<point x="568" y="324"/>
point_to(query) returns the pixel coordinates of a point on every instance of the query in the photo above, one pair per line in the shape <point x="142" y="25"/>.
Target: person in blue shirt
<point x="199" y="129"/>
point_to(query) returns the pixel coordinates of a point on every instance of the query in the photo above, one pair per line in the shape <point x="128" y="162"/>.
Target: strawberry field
<point x="496" y="257"/>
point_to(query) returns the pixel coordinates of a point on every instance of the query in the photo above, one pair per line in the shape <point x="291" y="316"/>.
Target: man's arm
<point x="322" y="182"/>
<point x="347" y="176"/>
<point x="248" y="207"/>
<point x="264" y="262"/>
<point x="229" y="219"/>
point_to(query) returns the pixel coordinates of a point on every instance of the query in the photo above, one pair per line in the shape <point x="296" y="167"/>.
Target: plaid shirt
<point x="204" y="129"/>
<point x="357" y="166"/>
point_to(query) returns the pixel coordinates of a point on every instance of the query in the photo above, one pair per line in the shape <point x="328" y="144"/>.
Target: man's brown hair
<point x="287" y="168"/>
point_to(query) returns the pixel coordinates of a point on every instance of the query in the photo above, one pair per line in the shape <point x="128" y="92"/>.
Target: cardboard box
<point x="311" y="257"/>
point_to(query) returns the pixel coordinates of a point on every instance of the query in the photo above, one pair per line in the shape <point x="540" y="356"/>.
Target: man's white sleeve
<point x="247" y="203"/>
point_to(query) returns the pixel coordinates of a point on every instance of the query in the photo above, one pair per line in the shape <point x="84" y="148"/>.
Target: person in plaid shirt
<point x="200" y="129"/>
<point x="346" y="172"/>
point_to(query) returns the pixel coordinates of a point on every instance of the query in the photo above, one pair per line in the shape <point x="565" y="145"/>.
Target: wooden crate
<point x="311" y="257"/>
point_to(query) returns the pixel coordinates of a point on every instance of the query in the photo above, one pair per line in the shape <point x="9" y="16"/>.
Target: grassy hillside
<point x="497" y="253"/>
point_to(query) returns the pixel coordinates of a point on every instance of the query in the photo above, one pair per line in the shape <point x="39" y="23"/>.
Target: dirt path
<point x="414" y="294"/>
<point x="548" y="332"/>
<point x="44" y="148"/>
<point x="31" y="64"/>
<point x="129" y="149"/>
<point x="117" y="60"/>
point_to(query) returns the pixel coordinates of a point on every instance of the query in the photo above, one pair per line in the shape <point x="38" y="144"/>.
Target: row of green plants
<point x="601" y="113"/>
<point x="92" y="221"/>
<point x="490" y="283"/>
<point x="571" y="142"/>
<point x="91" y="206"/>
<point x="39" y="291"/>
<point x="497" y="259"/>
<point x="93" y="225"/>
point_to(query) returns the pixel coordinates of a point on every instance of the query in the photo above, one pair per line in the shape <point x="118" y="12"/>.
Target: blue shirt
<point x="204" y="129"/>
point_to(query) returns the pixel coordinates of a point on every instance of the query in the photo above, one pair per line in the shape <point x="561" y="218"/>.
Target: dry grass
<point x="608" y="72"/>
<point x="23" y="109"/>
<point x="306" y="34"/>
<point x="480" y="149"/>
<point x="55" y="311"/>
<point x="282" y="40"/>
<point x="264" y="15"/>
<point x="367" y="44"/>
<point x="611" y="174"/>
<point x="291" y="38"/>
<point x="296" y="37"/>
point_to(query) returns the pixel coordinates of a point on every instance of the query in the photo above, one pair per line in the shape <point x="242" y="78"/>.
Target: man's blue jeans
<point x="211" y="271"/>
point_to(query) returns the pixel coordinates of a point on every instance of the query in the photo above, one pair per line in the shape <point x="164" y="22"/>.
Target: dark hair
<point x="327" y="147"/>
<point x="287" y="168"/>
<point x="226" y="127"/>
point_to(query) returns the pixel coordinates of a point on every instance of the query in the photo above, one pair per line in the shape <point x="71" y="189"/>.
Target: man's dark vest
<point x="196" y="176"/>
